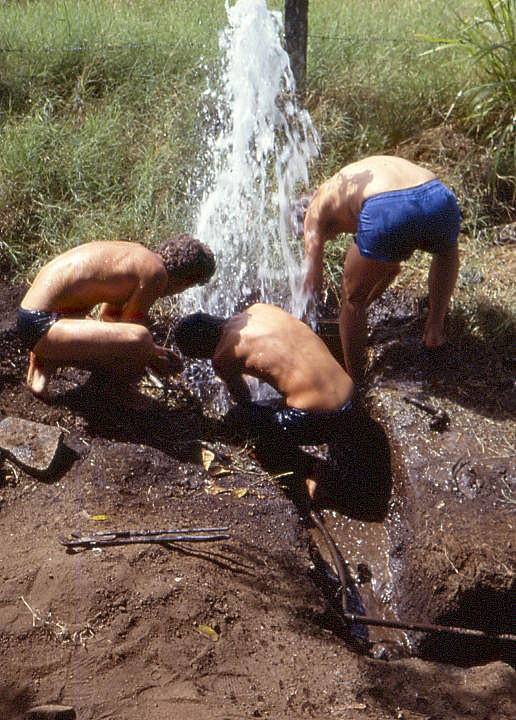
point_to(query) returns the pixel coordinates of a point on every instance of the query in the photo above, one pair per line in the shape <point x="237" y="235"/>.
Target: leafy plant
<point x="490" y="44"/>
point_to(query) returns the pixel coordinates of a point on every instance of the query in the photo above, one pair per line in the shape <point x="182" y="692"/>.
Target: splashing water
<point x="259" y="146"/>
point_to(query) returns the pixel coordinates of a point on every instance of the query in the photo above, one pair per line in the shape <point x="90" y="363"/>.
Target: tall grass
<point x="371" y="83"/>
<point x="98" y="120"/>
<point x="100" y="103"/>
<point x="487" y="101"/>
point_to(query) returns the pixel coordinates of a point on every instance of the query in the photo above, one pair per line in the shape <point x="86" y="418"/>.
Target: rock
<point x="31" y="445"/>
<point x="51" y="712"/>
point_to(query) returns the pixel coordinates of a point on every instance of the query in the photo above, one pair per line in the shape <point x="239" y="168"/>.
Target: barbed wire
<point x="82" y="48"/>
<point x="182" y="43"/>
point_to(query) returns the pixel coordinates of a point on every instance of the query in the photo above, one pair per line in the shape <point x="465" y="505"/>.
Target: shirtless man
<point x="125" y="279"/>
<point x="319" y="404"/>
<point x="393" y="207"/>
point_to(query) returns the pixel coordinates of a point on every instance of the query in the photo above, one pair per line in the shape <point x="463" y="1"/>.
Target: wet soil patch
<point x="129" y="632"/>
<point x="452" y="520"/>
<point x="446" y="542"/>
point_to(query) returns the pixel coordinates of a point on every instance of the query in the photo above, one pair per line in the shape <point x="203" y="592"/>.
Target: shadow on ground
<point x="467" y="370"/>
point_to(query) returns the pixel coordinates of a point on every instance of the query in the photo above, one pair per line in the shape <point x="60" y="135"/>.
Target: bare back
<point x="336" y="204"/>
<point x="111" y="272"/>
<point x="268" y="343"/>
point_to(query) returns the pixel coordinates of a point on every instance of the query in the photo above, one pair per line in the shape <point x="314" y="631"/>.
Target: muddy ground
<point x="238" y="628"/>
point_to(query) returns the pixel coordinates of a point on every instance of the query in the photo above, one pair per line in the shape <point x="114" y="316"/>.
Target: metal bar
<point x="145" y="533"/>
<point x="400" y="625"/>
<point x="332" y="547"/>
<point x="127" y="540"/>
<point x="428" y="627"/>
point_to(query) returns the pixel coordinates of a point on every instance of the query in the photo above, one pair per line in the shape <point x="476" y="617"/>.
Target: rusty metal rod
<point x="428" y="627"/>
<point x="337" y="558"/>
<point x="143" y="533"/>
<point x="400" y="625"/>
<point x="166" y="538"/>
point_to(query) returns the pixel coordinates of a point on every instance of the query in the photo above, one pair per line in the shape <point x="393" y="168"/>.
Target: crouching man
<point x="124" y="279"/>
<point x="318" y="405"/>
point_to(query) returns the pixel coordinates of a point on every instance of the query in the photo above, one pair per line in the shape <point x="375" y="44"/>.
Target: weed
<point x="489" y="42"/>
<point x="100" y="118"/>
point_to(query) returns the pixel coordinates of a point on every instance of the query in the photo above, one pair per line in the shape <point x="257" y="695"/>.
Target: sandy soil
<point x="238" y="628"/>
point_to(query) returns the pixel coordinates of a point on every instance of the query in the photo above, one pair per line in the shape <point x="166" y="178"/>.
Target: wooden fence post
<point x="296" y="30"/>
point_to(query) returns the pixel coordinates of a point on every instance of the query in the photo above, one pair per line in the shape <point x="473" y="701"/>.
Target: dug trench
<point x="442" y="551"/>
<point x="251" y="625"/>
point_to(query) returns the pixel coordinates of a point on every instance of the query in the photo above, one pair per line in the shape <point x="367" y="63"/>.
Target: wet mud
<point x="117" y="632"/>
<point x="443" y="553"/>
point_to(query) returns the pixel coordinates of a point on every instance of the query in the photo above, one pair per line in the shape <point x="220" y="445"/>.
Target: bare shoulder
<point x="123" y="258"/>
<point x="105" y="249"/>
<point x="139" y="259"/>
<point x="387" y="165"/>
<point x="267" y="313"/>
<point x="333" y="194"/>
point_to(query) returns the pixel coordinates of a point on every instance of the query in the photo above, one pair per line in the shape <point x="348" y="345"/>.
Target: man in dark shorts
<point x="393" y="207"/>
<point x="124" y="279"/>
<point x="318" y="404"/>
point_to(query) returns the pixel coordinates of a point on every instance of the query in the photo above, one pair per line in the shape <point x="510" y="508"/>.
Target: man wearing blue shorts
<point x="393" y="207"/>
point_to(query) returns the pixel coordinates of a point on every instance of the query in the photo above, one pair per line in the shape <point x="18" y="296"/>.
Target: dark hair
<point x="298" y="210"/>
<point x="197" y="335"/>
<point x="186" y="258"/>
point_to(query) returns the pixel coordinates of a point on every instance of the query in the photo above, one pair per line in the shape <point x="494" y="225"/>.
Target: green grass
<point x="100" y="101"/>
<point x="371" y="85"/>
<point x="487" y="102"/>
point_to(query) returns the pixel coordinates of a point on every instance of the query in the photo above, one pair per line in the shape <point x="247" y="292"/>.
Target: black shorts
<point x="31" y="325"/>
<point x="276" y="422"/>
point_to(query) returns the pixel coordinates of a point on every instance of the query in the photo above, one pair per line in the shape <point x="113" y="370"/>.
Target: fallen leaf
<point x="218" y="470"/>
<point x="216" y="489"/>
<point x="208" y="632"/>
<point x="207" y="458"/>
<point x="239" y="492"/>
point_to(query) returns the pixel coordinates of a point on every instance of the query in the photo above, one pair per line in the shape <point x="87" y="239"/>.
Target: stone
<point x="31" y="445"/>
<point x="51" y="712"/>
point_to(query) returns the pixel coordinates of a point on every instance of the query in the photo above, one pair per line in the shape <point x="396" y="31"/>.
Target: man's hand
<point x="165" y="362"/>
<point x="238" y="388"/>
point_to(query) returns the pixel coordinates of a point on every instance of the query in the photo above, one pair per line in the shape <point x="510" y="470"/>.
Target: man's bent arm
<point x="109" y="312"/>
<point x="313" y="261"/>
<point x="137" y="307"/>
<point x="235" y="383"/>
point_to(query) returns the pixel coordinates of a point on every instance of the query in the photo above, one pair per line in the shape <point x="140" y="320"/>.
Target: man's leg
<point x="363" y="281"/>
<point x="124" y="349"/>
<point x="441" y="282"/>
<point x="39" y="374"/>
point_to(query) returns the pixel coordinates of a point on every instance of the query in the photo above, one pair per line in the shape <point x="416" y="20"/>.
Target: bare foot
<point x="38" y="376"/>
<point x="433" y="337"/>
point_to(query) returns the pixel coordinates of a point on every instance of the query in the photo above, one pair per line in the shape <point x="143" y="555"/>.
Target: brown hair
<point x="186" y="258"/>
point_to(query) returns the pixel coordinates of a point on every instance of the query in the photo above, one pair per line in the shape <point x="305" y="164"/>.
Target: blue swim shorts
<point x="391" y="225"/>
